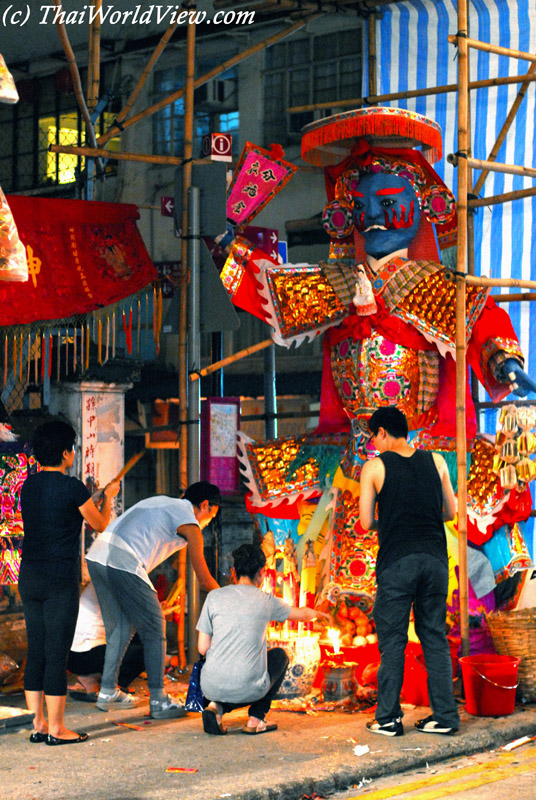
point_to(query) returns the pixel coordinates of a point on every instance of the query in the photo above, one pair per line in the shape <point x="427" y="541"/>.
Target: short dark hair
<point x="203" y="490"/>
<point x="390" y="419"/>
<point x="248" y="560"/>
<point x="50" y="442"/>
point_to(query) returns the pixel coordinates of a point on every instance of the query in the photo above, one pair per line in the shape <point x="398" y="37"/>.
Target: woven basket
<point x="514" y="634"/>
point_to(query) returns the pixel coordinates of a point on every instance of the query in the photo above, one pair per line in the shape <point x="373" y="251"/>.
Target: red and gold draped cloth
<point x="82" y="255"/>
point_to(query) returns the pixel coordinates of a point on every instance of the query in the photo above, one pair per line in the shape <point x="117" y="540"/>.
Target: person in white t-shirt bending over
<point x="119" y="561"/>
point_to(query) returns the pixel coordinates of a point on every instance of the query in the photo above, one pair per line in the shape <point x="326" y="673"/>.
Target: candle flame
<point x="335" y="636"/>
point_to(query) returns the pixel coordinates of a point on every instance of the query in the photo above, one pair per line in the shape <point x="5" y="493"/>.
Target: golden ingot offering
<point x="526" y="443"/>
<point x="508" y="477"/>
<point x="502" y="437"/>
<point x="526" y="417"/>
<point x="508" y="418"/>
<point x="509" y="451"/>
<point x="526" y="470"/>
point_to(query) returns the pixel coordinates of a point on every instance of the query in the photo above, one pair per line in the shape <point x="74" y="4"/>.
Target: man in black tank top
<point x="414" y="495"/>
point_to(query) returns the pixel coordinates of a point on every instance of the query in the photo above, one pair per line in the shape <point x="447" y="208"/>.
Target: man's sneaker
<point x="430" y="725"/>
<point x="118" y="700"/>
<point x="166" y="709"/>
<point x="392" y="728"/>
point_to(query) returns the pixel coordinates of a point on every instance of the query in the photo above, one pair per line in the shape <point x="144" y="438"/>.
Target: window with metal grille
<point x="215" y="109"/>
<point x="42" y="117"/>
<point x="307" y="70"/>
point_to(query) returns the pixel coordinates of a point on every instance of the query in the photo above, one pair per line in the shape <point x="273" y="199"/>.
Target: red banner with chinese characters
<point x="82" y="255"/>
<point x="258" y="177"/>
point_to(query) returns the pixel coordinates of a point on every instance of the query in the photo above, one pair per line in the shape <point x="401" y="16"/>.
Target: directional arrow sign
<point x="167" y="206"/>
<point x="266" y="239"/>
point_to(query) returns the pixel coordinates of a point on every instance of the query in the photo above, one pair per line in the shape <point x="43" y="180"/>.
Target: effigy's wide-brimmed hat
<point x="329" y="141"/>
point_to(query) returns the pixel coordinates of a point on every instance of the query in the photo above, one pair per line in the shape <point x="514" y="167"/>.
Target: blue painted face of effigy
<point x="386" y="213"/>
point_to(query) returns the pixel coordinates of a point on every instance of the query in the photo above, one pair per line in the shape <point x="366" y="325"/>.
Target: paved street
<point x="496" y="774"/>
<point x="308" y="753"/>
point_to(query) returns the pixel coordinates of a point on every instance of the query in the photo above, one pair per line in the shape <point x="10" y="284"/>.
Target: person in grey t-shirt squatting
<point x="239" y="670"/>
<point x="119" y="562"/>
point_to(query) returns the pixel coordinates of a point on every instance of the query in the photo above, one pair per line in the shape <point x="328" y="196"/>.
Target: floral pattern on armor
<point x="340" y="251"/>
<point x="354" y="551"/>
<point x="376" y="372"/>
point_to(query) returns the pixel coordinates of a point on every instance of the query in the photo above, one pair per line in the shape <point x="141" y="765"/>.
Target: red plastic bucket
<point x="490" y="683"/>
<point x="415" y="686"/>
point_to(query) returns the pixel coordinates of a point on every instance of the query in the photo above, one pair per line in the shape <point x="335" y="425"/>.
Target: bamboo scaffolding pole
<point x="77" y="84"/>
<point x="505" y="128"/>
<point x="473" y="280"/>
<point x="507" y="197"/>
<point x="515" y="297"/>
<point x="183" y="312"/>
<point x="95" y="152"/>
<point x="447" y="88"/>
<point x="181" y="580"/>
<point x="166" y="101"/>
<point x="93" y="67"/>
<point x="473" y="380"/>
<point x="93" y="81"/>
<point x="195" y="376"/>
<point x="494" y="166"/>
<point x="486" y="47"/>
<point x="372" y="61"/>
<point x="146" y="72"/>
<point x="461" y="433"/>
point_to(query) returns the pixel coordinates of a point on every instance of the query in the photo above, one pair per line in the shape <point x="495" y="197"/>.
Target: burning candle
<point x="335" y="637"/>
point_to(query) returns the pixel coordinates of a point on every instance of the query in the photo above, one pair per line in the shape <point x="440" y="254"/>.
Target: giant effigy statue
<point x="386" y="308"/>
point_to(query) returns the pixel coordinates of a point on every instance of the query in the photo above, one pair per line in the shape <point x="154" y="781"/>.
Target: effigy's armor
<point x="376" y="372"/>
<point x="388" y="320"/>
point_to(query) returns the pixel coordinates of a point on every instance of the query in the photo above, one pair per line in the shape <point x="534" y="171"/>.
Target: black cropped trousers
<point x="49" y="595"/>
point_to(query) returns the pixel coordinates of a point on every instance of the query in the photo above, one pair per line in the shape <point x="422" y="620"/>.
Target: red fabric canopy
<point x="82" y="255"/>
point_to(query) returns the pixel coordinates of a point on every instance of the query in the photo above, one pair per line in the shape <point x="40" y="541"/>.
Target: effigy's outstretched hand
<point x="520" y="383"/>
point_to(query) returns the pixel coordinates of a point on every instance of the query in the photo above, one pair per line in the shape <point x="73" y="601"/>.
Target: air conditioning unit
<point x="217" y="95"/>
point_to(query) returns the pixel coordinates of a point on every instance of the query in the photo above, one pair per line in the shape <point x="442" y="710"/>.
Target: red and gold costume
<point x="396" y="347"/>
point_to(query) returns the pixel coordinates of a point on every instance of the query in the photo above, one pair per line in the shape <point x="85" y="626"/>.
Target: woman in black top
<point x="53" y="506"/>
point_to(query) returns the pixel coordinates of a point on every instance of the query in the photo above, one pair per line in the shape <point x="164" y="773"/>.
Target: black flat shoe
<point x="84" y="697"/>
<point x="53" y="740"/>
<point x="38" y="738"/>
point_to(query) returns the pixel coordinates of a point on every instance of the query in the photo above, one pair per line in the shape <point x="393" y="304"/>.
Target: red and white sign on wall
<point x="167" y="206"/>
<point x="217" y="147"/>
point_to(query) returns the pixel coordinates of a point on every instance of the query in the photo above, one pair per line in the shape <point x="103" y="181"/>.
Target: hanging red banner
<point x="82" y="255"/>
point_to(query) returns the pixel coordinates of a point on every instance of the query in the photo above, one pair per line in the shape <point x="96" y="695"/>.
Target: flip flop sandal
<point x="256" y="731"/>
<point x="211" y="724"/>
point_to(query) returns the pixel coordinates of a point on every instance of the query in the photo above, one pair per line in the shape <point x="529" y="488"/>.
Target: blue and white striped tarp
<point x="413" y="52"/>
